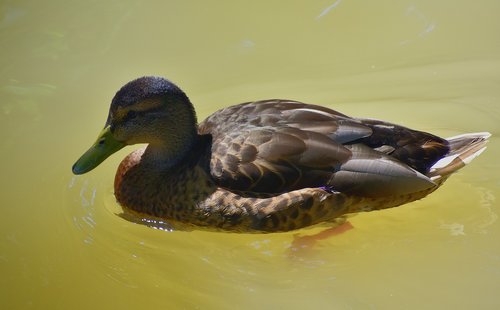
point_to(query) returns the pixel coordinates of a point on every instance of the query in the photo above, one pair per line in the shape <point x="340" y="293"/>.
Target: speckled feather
<point x="275" y="146"/>
<point x="265" y="166"/>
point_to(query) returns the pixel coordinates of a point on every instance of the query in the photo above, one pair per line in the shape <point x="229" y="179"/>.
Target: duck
<point x="264" y="166"/>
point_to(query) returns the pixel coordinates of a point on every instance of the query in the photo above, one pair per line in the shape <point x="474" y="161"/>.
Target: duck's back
<point x="275" y="146"/>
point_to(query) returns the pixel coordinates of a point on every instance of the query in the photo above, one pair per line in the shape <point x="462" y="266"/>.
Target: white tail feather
<point x="463" y="149"/>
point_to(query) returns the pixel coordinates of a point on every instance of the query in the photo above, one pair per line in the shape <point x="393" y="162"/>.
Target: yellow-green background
<point x="432" y="65"/>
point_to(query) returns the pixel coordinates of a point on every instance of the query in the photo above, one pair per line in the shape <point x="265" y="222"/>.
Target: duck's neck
<point x="174" y="139"/>
<point x="168" y="153"/>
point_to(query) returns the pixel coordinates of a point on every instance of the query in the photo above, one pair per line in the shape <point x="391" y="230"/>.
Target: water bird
<point x="264" y="166"/>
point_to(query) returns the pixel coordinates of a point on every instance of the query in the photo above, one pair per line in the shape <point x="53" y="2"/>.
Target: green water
<point x="430" y="65"/>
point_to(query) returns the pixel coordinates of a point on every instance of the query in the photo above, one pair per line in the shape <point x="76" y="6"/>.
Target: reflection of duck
<point x="272" y="165"/>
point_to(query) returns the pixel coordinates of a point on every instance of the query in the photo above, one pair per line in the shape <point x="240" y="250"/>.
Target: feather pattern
<point x="264" y="166"/>
<point x="275" y="146"/>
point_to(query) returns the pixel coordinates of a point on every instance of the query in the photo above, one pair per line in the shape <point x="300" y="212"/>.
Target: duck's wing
<point x="276" y="146"/>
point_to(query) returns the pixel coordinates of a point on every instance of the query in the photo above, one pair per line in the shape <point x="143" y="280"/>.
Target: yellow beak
<point x="105" y="145"/>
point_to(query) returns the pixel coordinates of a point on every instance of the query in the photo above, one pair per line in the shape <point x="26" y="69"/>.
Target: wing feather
<point x="280" y="145"/>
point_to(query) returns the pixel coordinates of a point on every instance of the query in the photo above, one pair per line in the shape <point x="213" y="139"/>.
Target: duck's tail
<point x="463" y="149"/>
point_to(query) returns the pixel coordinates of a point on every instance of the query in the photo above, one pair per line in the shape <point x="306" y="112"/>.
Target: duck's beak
<point x="105" y="145"/>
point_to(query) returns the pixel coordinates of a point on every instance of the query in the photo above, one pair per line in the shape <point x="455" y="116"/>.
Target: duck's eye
<point x="131" y="114"/>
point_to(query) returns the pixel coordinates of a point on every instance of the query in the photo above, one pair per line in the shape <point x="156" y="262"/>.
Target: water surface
<point x="430" y="65"/>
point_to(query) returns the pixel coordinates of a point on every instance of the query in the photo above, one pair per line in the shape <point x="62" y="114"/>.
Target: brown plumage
<point x="272" y="165"/>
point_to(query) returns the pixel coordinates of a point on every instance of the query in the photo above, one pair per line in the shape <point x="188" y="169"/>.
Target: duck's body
<point x="273" y="165"/>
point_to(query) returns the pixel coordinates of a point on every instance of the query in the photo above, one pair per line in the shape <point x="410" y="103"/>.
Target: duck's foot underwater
<point x="302" y="244"/>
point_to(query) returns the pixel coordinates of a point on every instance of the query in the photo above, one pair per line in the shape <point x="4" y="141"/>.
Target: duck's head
<point x="149" y="110"/>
